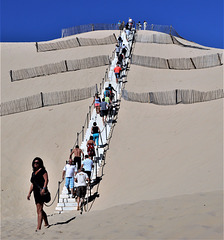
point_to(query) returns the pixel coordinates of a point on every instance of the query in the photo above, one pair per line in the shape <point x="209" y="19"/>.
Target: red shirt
<point x="117" y="69"/>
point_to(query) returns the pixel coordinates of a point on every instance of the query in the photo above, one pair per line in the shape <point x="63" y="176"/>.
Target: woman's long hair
<point x="41" y="164"/>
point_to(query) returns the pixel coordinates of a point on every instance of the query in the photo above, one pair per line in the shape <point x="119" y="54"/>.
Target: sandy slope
<point x="16" y="56"/>
<point x="172" y="50"/>
<point x="163" y="151"/>
<point x="49" y="133"/>
<point x="157" y="154"/>
<point x="144" y="79"/>
<point x="182" y="217"/>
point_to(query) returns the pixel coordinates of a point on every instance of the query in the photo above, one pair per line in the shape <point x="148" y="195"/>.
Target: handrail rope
<point x="55" y="195"/>
<point x="81" y="130"/>
<point x="85" y="121"/>
<point x="107" y="70"/>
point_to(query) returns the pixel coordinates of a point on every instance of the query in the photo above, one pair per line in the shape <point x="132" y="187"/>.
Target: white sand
<point x="164" y="167"/>
<point x="172" y="50"/>
<point x="182" y="217"/>
<point x="144" y="79"/>
<point x="163" y="151"/>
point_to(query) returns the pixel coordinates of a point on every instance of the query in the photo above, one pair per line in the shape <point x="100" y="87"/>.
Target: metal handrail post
<point x="58" y="190"/>
<point x="87" y="118"/>
<point x="89" y="112"/>
<point x="77" y="138"/>
<point x="82" y="133"/>
<point x="106" y="130"/>
<point x="96" y="167"/>
<point x="101" y="139"/>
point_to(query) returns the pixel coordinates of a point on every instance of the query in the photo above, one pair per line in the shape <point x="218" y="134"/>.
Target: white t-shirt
<point x="81" y="179"/>
<point x="69" y="170"/>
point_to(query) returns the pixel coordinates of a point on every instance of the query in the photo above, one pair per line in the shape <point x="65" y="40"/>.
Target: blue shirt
<point x="87" y="164"/>
<point x="103" y="105"/>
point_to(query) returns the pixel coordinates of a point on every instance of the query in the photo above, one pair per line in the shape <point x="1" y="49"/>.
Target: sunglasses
<point x="36" y="162"/>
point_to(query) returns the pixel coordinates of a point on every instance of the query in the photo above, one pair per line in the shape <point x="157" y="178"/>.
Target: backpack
<point x="107" y="91"/>
<point x="91" y="150"/>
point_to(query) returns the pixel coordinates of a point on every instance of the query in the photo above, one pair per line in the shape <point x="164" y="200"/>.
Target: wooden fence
<point x="46" y="99"/>
<point x="63" y="66"/>
<point x="173" y="97"/>
<point x="199" y="62"/>
<point x="75" y="42"/>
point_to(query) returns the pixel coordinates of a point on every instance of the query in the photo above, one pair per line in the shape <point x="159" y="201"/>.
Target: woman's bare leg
<point x="44" y="215"/>
<point x="39" y="215"/>
<point x="97" y="109"/>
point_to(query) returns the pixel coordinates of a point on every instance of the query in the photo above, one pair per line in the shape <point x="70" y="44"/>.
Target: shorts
<point x="69" y="181"/>
<point x="77" y="160"/>
<point x="88" y="173"/>
<point x="103" y="113"/>
<point x="81" y="191"/>
<point x="117" y="75"/>
<point x="97" y="104"/>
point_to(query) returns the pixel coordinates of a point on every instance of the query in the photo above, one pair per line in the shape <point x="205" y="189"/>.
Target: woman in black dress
<point x="39" y="180"/>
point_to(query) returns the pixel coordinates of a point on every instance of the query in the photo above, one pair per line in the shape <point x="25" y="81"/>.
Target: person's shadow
<point x="62" y="223"/>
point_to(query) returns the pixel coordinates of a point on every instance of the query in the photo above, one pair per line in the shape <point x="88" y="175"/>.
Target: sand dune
<point x="165" y="151"/>
<point x="164" y="167"/>
<point x="182" y="217"/>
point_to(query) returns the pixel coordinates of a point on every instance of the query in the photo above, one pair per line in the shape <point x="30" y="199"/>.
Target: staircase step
<point x="58" y="209"/>
<point x="72" y="204"/>
<point x="69" y="208"/>
<point x="60" y="204"/>
<point x="64" y="196"/>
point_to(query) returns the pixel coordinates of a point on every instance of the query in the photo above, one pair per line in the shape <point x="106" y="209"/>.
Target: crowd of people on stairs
<point x="77" y="173"/>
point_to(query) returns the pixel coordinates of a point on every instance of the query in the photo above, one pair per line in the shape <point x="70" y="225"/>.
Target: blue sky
<point x="200" y="21"/>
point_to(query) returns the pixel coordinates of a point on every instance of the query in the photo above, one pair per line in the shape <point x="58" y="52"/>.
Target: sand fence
<point x="75" y="42"/>
<point x="163" y="39"/>
<point x="114" y="26"/>
<point x="154" y="38"/>
<point x="199" y="62"/>
<point x="45" y="99"/>
<point x="60" y="67"/>
<point x="88" y="28"/>
<point x="173" y="97"/>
